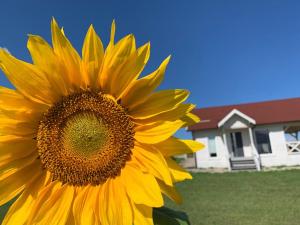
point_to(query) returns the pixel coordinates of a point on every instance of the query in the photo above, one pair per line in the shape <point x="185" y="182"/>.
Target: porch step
<point x="243" y="164"/>
<point x="244" y="167"/>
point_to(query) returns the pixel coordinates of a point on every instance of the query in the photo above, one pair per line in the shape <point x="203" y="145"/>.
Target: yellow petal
<point x="10" y="168"/>
<point x="142" y="215"/>
<point x="129" y="71"/>
<point x="28" y="79"/>
<point x="16" y="127"/>
<point x="14" y="105"/>
<point x="12" y="185"/>
<point x="142" y="188"/>
<point x="44" y="194"/>
<point x="79" y="205"/>
<point x="114" y="204"/>
<point x="44" y="57"/>
<point x="68" y="55"/>
<point x="27" y="117"/>
<point x="92" y="55"/>
<point x="170" y="192"/>
<point x="144" y="86"/>
<point x="190" y="119"/>
<point x="114" y="59"/>
<point x="158" y="103"/>
<point x="13" y="148"/>
<point x="84" y="206"/>
<point x="57" y="207"/>
<point x="18" y="213"/>
<point x="71" y="220"/>
<point x="13" y="100"/>
<point x="153" y="161"/>
<point x="112" y="37"/>
<point x="40" y="51"/>
<point x="158" y="132"/>
<point x="121" y="51"/>
<point x="178" y="173"/>
<point x="174" y="146"/>
<point x="171" y="115"/>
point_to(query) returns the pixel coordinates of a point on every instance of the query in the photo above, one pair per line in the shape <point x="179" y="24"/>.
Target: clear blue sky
<point x="224" y="51"/>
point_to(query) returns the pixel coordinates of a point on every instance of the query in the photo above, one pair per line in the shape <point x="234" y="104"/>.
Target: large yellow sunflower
<point x="82" y="139"/>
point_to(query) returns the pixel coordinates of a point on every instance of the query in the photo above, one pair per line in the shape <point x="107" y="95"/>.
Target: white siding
<point x="203" y="158"/>
<point x="277" y="141"/>
<point x="279" y="155"/>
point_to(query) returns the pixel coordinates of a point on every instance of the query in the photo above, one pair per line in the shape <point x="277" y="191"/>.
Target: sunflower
<point x="86" y="140"/>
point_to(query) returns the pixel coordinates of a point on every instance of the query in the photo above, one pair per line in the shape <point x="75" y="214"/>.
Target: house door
<point x="237" y="144"/>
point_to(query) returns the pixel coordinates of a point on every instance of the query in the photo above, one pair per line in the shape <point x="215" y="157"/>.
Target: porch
<point x="241" y="149"/>
<point x="293" y="147"/>
<point x="292" y="138"/>
<point x="238" y="141"/>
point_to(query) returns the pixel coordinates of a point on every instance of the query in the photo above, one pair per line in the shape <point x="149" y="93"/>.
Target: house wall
<point x="203" y="158"/>
<point x="279" y="155"/>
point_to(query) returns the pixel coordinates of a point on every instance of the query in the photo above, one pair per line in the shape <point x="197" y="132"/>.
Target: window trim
<point x="215" y="153"/>
<point x="256" y="144"/>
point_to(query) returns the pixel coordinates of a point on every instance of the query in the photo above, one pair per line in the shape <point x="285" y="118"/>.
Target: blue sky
<point x="223" y="51"/>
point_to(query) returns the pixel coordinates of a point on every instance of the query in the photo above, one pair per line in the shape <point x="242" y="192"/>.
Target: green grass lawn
<point x="244" y="198"/>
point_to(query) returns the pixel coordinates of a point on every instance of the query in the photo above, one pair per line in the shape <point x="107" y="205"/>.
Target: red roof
<point x="269" y="112"/>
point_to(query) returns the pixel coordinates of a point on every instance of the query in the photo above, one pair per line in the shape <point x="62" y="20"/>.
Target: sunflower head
<point x="86" y="139"/>
<point x="82" y="136"/>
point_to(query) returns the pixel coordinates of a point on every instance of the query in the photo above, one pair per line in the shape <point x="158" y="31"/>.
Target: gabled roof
<point x="238" y="113"/>
<point x="269" y="112"/>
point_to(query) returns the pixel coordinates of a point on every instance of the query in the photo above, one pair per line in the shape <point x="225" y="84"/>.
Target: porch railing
<point x="293" y="147"/>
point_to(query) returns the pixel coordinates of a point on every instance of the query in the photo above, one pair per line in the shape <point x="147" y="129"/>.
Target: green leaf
<point x="167" y="216"/>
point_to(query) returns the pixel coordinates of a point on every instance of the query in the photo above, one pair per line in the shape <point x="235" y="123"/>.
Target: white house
<point x="248" y="136"/>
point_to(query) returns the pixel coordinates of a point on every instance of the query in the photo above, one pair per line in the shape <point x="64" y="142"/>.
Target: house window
<point x="212" y="146"/>
<point x="263" y="141"/>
